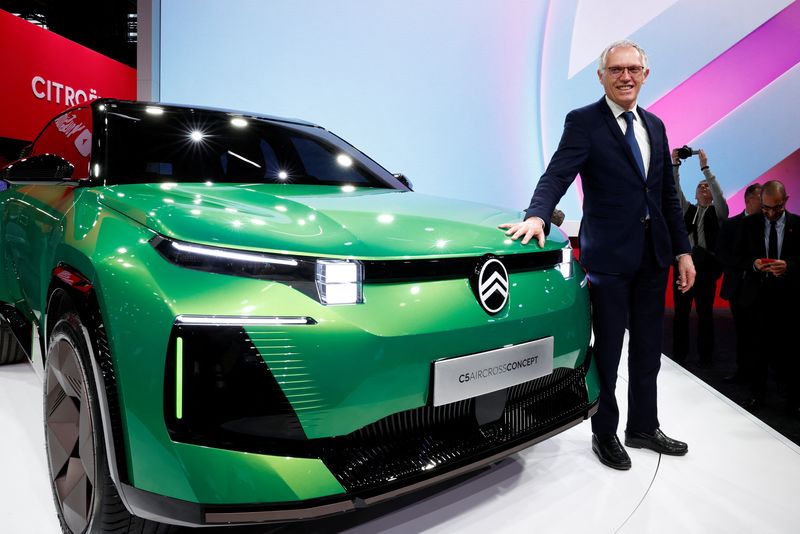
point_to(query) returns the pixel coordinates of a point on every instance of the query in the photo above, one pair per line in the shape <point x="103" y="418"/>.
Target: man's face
<point x="623" y="87"/>
<point x="703" y="194"/>
<point x="772" y="205"/>
<point x="752" y="204"/>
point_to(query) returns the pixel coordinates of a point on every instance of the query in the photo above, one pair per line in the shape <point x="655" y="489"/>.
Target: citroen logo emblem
<point x="491" y="287"/>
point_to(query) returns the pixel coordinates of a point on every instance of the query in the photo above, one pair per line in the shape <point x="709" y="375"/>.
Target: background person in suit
<point x="703" y="221"/>
<point x="769" y="252"/>
<point x="632" y="229"/>
<point x="731" y="287"/>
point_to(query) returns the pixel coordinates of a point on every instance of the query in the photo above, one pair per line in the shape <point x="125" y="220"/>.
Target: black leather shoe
<point x="752" y="404"/>
<point x="611" y="452"/>
<point x="657" y="441"/>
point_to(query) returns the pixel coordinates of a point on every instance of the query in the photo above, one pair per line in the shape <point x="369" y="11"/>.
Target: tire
<point x="86" y="498"/>
<point x="10" y="349"/>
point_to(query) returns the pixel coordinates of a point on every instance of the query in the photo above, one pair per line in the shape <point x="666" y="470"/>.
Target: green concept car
<point x="242" y="319"/>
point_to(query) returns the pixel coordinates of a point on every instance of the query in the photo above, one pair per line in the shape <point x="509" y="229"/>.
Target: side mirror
<point x="45" y="167"/>
<point x="403" y="180"/>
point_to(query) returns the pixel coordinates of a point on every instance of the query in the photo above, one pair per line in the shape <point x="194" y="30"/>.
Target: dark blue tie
<point x="631" y="139"/>
<point x="772" y="249"/>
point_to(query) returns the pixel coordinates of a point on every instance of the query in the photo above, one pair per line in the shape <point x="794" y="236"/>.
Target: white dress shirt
<point x="639" y="130"/>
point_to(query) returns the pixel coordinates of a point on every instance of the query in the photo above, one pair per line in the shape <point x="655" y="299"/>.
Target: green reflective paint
<point x="355" y="365"/>
<point x="216" y="476"/>
<point x="358" y="364"/>
<point x="320" y="220"/>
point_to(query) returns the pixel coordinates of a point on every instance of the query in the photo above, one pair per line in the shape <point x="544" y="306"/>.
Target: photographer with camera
<point x="703" y="221"/>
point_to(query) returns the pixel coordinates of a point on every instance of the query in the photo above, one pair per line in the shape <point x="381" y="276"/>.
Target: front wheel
<point x="86" y="498"/>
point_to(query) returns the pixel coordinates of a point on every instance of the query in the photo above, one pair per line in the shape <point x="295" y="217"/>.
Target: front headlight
<point x="566" y="262"/>
<point x="329" y="281"/>
<point x="339" y="281"/>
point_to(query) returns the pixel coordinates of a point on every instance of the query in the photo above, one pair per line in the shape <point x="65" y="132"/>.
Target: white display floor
<point x="739" y="476"/>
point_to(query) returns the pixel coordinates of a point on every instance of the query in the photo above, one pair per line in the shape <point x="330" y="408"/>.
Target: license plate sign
<point x="469" y="376"/>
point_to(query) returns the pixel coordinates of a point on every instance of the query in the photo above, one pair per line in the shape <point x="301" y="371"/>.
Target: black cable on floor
<point x="643" y="496"/>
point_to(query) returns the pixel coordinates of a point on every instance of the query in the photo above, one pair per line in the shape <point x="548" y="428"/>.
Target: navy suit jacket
<point x="616" y="196"/>
<point x="726" y="254"/>
<point x="750" y="246"/>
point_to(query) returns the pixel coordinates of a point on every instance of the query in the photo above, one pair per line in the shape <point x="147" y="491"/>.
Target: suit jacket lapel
<point x="648" y="127"/>
<point x="790" y="236"/>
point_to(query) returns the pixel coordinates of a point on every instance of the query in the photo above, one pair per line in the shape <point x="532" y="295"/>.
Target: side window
<point x="44" y="167"/>
<point x="69" y="136"/>
<point x="325" y="166"/>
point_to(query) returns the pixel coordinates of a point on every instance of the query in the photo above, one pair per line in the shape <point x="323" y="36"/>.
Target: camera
<point x="687" y="152"/>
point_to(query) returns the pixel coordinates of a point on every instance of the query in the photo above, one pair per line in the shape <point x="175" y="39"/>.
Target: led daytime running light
<point x="241" y="321"/>
<point x="230" y="255"/>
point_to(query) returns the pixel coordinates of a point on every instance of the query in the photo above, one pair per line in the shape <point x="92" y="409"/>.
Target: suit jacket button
<point x="646" y="189"/>
<point x="641" y="220"/>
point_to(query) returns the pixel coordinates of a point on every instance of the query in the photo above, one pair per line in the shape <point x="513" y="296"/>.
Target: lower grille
<point x="416" y="444"/>
<point x="219" y="392"/>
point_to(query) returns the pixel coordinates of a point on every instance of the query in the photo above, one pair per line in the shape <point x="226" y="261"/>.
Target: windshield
<point x="165" y="144"/>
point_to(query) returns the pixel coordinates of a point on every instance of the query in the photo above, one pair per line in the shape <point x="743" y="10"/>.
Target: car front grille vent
<point x="378" y="271"/>
<point x="410" y="445"/>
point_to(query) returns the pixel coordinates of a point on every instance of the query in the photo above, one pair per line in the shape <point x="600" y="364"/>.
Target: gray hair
<point x="623" y="43"/>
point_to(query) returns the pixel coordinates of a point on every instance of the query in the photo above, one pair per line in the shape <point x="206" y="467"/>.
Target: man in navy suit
<point x="632" y="230"/>
<point x="768" y="250"/>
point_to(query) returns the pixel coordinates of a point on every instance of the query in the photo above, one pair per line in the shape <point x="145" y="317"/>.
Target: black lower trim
<point x="177" y="512"/>
<point x="418" y="444"/>
<point x="20" y="327"/>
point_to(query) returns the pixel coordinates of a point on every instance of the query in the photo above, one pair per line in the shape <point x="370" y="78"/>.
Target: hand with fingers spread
<point x="532" y="227"/>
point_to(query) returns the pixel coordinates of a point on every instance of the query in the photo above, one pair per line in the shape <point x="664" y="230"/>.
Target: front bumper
<point x="351" y="370"/>
<point x="403" y="453"/>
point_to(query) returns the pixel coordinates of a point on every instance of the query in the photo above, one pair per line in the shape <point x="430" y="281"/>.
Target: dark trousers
<point x="775" y="317"/>
<point x="702" y="293"/>
<point x="744" y="328"/>
<point x="635" y="301"/>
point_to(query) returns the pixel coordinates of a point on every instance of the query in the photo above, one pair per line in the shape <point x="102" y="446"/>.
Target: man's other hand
<point x="686" y="273"/>
<point x="527" y="230"/>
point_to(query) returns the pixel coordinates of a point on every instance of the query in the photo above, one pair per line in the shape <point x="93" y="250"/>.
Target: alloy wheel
<point x="70" y="435"/>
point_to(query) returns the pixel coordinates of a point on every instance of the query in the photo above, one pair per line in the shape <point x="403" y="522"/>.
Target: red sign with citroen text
<point x="44" y="74"/>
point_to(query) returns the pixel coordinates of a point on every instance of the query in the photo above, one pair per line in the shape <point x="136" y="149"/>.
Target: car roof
<point x="101" y="101"/>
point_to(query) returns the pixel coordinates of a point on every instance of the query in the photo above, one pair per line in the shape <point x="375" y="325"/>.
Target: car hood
<point x="319" y="220"/>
